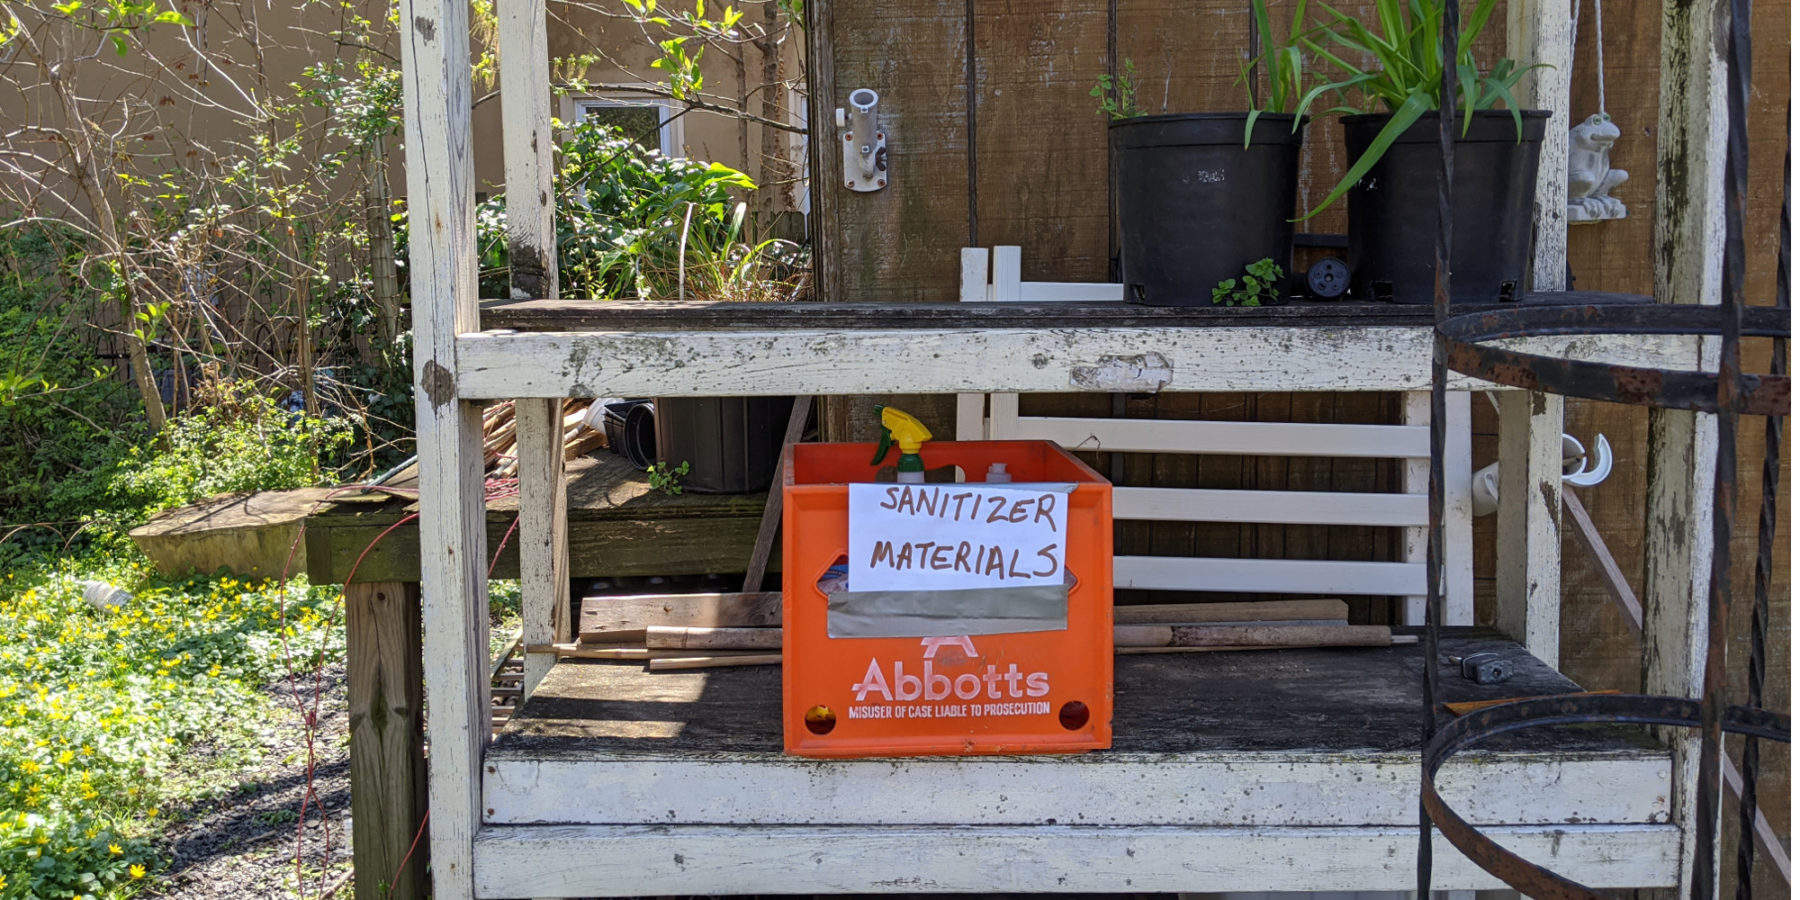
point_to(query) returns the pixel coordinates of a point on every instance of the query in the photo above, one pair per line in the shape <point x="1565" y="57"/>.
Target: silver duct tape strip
<point x="899" y="614"/>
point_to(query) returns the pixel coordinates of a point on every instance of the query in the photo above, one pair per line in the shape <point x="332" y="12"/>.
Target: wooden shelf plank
<point x="844" y="359"/>
<point x="621" y="315"/>
<point x="587" y="861"/>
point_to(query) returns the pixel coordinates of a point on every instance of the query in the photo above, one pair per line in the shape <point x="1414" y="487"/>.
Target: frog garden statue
<point x="1591" y="177"/>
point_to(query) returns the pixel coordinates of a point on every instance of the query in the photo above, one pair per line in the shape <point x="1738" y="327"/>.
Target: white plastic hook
<point x="1587" y="471"/>
<point x="1578" y="469"/>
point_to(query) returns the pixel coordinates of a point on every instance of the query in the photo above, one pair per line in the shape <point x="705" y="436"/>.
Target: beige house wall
<point x="185" y="97"/>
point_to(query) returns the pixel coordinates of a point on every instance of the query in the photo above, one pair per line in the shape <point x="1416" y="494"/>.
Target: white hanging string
<point x="1599" y="52"/>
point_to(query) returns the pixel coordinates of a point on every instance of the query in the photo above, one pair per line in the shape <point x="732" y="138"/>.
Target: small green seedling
<point x="1258" y="286"/>
<point x="1118" y="96"/>
<point x="666" y="478"/>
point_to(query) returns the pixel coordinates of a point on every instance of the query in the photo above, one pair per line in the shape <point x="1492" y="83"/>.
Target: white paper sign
<point x="942" y="537"/>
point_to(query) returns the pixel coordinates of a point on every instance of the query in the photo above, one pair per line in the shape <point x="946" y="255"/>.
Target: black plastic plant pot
<point x="1195" y="205"/>
<point x="631" y="430"/>
<point x="1393" y="209"/>
<point x="731" y="444"/>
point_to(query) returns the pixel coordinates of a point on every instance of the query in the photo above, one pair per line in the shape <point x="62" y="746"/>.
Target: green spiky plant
<point x="1404" y="74"/>
<point x="1283" y="67"/>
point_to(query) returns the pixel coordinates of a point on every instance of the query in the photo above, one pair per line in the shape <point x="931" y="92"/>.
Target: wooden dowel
<point x="1245" y="611"/>
<point x="1140" y="651"/>
<point x="1251" y="635"/>
<point x="619" y="652"/>
<point x="706" y="638"/>
<point x="714" y="662"/>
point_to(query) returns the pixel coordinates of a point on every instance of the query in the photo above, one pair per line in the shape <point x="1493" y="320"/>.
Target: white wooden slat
<point x="1110" y="788"/>
<point x="1247" y="438"/>
<point x="1003" y="417"/>
<point x="1528" y="555"/>
<point x="1269" y="507"/>
<point x="974" y="286"/>
<point x="1007" y="262"/>
<point x="452" y="523"/>
<point x="1285" y="576"/>
<point x="971" y="417"/>
<point x="949" y="361"/>
<point x="599" y="860"/>
<point x="1682" y="456"/>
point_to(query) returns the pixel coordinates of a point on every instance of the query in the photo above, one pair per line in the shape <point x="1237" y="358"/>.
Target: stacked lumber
<point x="500" y="438"/>
<point x="668" y="632"/>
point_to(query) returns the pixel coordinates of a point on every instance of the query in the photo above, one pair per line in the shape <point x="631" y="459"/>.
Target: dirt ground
<point x="242" y="843"/>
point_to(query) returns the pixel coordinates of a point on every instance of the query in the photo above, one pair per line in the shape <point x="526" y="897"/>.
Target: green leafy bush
<point x="63" y="412"/>
<point x="634" y="224"/>
<point x="235" y="440"/>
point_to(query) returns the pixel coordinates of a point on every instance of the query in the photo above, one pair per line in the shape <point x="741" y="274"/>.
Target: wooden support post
<point x="1528" y="575"/>
<point x="1541" y="31"/>
<point x="1528" y="585"/>
<point x="1459" y="511"/>
<point x="531" y="251"/>
<point x="387" y="739"/>
<point x="543" y="534"/>
<point x="440" y="177"/>
<point x="1689" y="255"/>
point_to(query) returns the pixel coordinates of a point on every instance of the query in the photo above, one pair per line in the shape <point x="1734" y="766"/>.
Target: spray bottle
<point x="900" y="428"/>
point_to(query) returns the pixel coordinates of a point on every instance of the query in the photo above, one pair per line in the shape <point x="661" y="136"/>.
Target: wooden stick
<point x="1139" y="651"/>
<point x="616" y="651"/>
<point x="714" y="662"/>
<point x="771" y="520"/>
<point x="1251" y="611"/>
<point x="1251" y="635"/>
<point x="703" y="638"/>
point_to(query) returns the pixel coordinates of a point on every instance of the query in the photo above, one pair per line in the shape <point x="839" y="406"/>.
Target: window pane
<point x="642" y="124"/>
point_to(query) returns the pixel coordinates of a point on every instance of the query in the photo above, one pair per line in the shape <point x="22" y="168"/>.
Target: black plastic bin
<point x="1195" y="206"/>
<point x="731" y="444"/>
<point x="1393" y="209"/>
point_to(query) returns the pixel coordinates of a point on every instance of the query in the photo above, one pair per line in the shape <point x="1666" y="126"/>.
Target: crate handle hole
<point x="1073" y="715"/>
<point x="821" y="720"/>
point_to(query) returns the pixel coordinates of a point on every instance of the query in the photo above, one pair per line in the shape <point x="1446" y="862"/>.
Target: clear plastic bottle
<point x="997" y="474"/>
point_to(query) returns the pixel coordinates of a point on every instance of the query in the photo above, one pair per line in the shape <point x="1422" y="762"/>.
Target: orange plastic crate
<point x="1032" y="692"/>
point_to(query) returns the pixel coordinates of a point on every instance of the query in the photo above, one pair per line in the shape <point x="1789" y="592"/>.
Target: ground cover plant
<point x="110" y="716"/>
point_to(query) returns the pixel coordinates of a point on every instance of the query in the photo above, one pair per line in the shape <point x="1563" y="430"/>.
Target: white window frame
<point x="672" y="136"/>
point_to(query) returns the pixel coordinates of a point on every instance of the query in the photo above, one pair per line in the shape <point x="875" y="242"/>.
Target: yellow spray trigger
<point x="901" y="428"/>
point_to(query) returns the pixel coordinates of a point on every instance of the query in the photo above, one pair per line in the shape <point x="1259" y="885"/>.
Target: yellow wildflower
<point x="137" y="871"/>
<point x="115" y="849"/>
